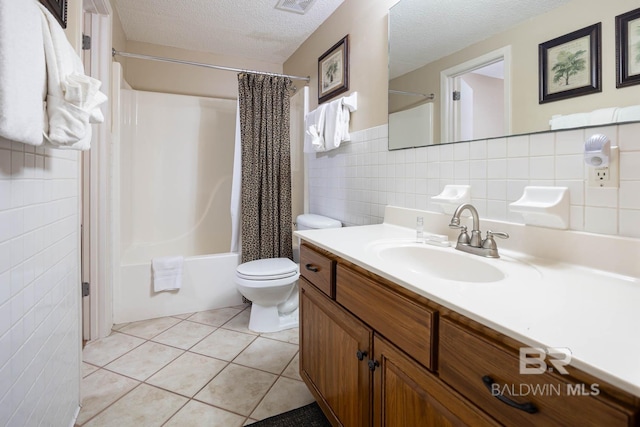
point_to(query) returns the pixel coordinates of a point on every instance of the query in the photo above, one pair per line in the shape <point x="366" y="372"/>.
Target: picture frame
<point x="571" y="65"/>
<point x="333" y="71"/>
<point x="58" y="8"/>
<point x="628" y="49"/>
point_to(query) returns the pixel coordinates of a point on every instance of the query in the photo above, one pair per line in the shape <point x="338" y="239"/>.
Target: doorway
<point x="95" y="196"/>
<point x="476" y="101"/>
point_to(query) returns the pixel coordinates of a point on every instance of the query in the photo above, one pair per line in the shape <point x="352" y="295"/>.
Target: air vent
<point x="295" y="6"/>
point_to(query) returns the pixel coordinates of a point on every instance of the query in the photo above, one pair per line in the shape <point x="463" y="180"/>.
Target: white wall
<point x="355" y="182"/>
<point x="40" y="278"/>
<point x="39" y="285"/>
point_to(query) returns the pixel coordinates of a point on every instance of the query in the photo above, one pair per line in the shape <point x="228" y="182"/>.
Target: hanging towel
<point x="23" y="73"/>
<point x="314" y="123"/>
<point x="73" y="98"/>
<point x="337" y="119"/>
<point x="167" y="273"/>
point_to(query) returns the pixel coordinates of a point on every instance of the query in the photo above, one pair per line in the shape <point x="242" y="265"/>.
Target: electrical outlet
<point x="607" y="176"/>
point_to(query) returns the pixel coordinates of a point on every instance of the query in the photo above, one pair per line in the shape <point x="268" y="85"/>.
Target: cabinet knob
<point x="361" y="354"/>
<point x="373" y="364"/>
<point x="526" y="407"/>
<point x="312" y="267"/>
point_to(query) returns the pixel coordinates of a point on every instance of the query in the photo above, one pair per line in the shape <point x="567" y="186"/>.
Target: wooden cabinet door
<point x="330" y="339"/>
<point x="407" y="394"/>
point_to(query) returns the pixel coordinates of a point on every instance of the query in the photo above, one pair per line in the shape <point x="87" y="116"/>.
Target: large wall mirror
<point x="485" y="55"/>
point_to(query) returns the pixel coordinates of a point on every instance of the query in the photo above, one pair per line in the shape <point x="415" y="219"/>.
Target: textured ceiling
<point x="424" y="31"/>
<point x="247" y="28"/>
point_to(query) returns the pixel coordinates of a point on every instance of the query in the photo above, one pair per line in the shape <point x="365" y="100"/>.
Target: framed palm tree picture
<point x="333" y="71"/>
<point x="570" y="65"/>
<point x="628" y="49"/>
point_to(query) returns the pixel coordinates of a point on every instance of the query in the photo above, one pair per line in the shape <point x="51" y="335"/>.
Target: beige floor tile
<point x="144" y="361"/>
<point x="197" y="414"/>
<point x="148" y="329"/>
<point x="237" y="389"/>
<point x="182" y="316"/>
<point x="223" y="344"/>
<point x="293" y="369"/>
<point x="267" y="355"/>
<point x="240" y="323"/>
<point x="184" y="335"/>
<point x="144" y="406"/>
<point x="288" y="335"/>
<point x="249" y="421"/>
<point x="104" y="350"/>
<point x="100" y="390"/>
<point x="187" y="374"/>
<point x="285" y="395"/>
<point x="88" y="369"/>
<point x="118" y="326"/>
<point x="217" y="317"/>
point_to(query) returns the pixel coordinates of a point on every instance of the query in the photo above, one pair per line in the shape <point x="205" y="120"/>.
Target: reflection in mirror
<point x="426" y="39"/>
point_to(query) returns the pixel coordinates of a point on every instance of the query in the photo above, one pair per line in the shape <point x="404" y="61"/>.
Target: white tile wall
<point x="356" y="181"/>
<point x="39" y="286"/>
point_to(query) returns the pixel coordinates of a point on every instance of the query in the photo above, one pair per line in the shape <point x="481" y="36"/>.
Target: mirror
<point x="429" y="38"/>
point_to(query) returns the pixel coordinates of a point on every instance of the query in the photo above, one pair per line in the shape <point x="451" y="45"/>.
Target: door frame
<point x="448" y="113"/>
<point x="96" y="198"/>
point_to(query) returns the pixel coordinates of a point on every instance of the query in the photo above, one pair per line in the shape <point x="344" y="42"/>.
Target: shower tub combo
<point x="172" y="190"/>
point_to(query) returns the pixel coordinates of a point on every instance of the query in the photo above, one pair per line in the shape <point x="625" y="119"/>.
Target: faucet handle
<point x="489" y="242"/>
<point x="463" y="238"/>
<point x="499" y="234"/>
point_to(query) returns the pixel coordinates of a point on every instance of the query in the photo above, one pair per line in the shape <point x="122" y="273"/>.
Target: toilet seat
<point x="267" y="269"/>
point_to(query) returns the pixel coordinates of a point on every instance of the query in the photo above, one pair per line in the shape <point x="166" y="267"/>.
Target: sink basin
<point x="442" y="263"/>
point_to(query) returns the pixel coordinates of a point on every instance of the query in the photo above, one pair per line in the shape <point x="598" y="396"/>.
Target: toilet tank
<point x="313" y="221"/>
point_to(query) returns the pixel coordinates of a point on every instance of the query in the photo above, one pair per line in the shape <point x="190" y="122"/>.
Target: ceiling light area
<point x="295" y="6"/>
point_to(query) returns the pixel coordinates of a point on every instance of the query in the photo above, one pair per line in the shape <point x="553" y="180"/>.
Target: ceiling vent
<point x="295" y="6"/>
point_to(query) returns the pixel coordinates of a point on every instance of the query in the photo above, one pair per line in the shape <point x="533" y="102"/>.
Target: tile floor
<point x="200" y="369"/>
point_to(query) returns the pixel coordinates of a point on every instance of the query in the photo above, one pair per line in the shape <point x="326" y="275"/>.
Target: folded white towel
<point x="602" y="116"/>
<point x="23" y="72"/>
<point x="569" y="121"/>
<point x="314" y="122"/>
<point x="628" y="114"/>
<point x="73" y="98"/>
<point x="167" y="273"/>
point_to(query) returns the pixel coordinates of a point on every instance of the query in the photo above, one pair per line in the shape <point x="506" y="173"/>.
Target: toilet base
<point x="268" y="319"/>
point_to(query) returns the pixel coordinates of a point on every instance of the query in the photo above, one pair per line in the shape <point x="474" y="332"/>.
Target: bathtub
<point x="207" y="283"/>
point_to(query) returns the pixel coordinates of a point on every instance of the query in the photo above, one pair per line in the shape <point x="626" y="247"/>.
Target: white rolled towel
<point x="167" y="273"/>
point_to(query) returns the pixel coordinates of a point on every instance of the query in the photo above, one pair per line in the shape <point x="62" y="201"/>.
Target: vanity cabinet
<point x="374" y="353"/>
<point x="329" y="361"/>
<point x="407" y="394"/>
<point x="474" y="364"/>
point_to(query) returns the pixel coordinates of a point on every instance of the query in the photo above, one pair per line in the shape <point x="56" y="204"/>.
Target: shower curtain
<point x="266" y="166"/>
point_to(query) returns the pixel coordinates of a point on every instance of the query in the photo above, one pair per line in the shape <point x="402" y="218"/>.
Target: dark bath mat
<point x="307" y="416"/>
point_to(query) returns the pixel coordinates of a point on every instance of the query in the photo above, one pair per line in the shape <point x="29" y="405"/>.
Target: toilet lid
<point x="267" y="269"/>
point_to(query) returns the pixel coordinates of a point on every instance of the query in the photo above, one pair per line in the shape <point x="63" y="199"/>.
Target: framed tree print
<point x="333" y="71"/>
<point x="628" y="49"/>
<point x="570" y="65"/>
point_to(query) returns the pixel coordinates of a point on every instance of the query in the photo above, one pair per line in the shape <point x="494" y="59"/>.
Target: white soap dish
<point x="453" y="196"/>
<point x="544" y="206"/>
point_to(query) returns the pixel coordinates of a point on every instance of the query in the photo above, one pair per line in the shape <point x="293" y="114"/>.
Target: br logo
<point x="533" y="360"/>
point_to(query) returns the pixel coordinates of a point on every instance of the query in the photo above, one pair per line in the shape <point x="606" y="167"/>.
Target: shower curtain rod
<point x="200" y="64"/>
<point x="402" y="92"/>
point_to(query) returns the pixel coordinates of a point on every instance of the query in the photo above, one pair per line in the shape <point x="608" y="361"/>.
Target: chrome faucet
<point x="474" y="244"/>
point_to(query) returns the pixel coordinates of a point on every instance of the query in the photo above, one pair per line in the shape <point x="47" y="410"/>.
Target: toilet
<point x="272" y="284"/>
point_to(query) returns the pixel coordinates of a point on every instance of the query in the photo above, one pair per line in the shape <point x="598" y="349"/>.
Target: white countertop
<point x="541" y="302"/>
